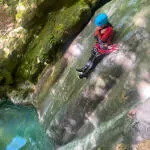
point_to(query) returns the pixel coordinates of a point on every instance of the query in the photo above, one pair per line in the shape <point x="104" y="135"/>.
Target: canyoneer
<point x="103" y="35"/>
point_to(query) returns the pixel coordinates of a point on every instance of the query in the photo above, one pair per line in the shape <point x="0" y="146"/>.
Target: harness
<point x="111" y="48"/>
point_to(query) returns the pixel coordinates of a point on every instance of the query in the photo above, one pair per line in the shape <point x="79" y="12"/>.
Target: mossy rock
<point x="47" y="47"/>
<point x="5" y="77"/>
<point x="64" y="21"/>
<point x="13" y="48"/>
<point x="30" y="9"/>
<point x="11" y="5"/>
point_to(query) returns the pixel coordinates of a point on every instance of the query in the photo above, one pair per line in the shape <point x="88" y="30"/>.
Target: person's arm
<point x="97" y="32"/>
<point x="107" y="34"/>
<point x="98" y="35"/>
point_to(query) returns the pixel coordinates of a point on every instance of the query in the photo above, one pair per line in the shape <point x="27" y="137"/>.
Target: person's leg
<point x="88" y="64"/>
<point x="98" y="59"/>
<point x="92" y="65"/>
<point x="87" y="71"/>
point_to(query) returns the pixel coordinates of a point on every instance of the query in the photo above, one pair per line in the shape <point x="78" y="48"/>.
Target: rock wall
<point x="42" y="28"/>
<point x="93" y="113"/>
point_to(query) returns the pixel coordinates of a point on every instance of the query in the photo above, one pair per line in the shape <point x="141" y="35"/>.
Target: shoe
<point x="80" y="70"/>
<point x="82" y="76"/>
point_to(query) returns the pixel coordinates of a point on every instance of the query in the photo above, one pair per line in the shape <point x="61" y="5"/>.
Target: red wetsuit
<point x="104" y="34"/>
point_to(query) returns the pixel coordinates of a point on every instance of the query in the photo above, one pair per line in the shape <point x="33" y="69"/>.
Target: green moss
<point x="5" y="77"/>
<point x="24" y="14"/>
<point x="61" y="25"/>
<point x="59" y="30"/>
<point x="19" y="15"/>
<point x="1" y="78"/>
<point x="27" y="10"/>
<point x="65" y="20"/>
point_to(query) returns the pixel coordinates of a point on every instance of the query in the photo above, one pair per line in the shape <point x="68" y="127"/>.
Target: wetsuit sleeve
<point x="107" y="34"/>
<point x="97" y="33"/>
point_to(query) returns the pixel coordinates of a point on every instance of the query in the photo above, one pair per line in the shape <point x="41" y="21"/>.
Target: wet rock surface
<point x="141" y="125"/>
<point x="97" y="114"/>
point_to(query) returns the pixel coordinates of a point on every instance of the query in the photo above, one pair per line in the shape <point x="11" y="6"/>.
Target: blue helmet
<point x="101" y="19"/>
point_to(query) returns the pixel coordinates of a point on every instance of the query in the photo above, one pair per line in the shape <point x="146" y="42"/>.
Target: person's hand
<point x="98" y="28"/>
<point x="105" y="46"/>
<point x="103" y="31"/>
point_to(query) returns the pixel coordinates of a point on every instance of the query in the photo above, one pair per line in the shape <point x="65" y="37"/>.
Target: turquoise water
<point x="22" y="122"/>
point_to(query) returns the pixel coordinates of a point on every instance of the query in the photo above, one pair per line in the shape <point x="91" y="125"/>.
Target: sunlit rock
<point x="121" y="147"/>
<point x="144" y="145"/>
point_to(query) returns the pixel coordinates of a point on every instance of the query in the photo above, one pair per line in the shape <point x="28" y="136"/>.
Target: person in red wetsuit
<point x="103" y="35"/>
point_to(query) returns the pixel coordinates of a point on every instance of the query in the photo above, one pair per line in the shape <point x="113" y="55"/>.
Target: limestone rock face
<point x="101" y="111"/>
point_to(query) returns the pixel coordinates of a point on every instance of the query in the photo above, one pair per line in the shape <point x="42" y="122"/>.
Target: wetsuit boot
<point x="86" y="73"/>
<point x="82" y="69"/>
<point x="82" y="75"/>
<point x="86" y="70"/>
